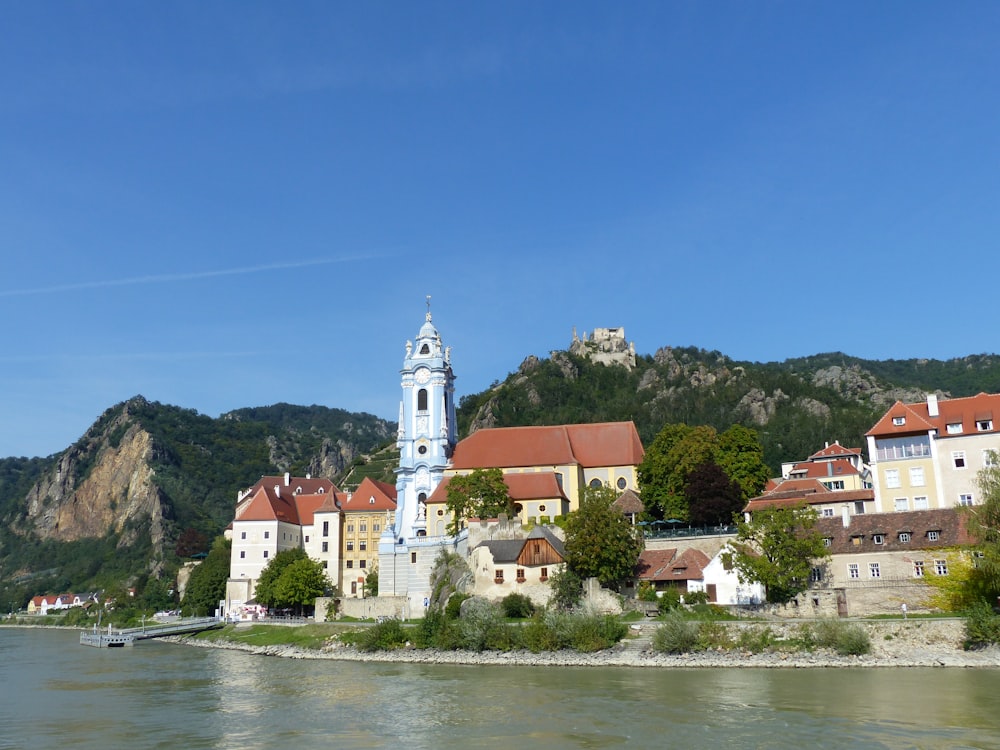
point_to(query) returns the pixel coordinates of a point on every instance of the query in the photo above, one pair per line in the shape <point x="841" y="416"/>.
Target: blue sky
<point x="229" y="204"/>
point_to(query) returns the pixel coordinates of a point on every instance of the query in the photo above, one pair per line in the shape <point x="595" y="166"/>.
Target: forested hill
<point x="118" y="503"/>
<point x="796" y="405"/>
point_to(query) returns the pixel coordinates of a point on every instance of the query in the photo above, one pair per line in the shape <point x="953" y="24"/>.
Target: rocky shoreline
<point x="916" y="643"/>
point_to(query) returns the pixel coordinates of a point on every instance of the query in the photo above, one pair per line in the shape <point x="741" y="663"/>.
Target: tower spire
<point x="428" y="308"/>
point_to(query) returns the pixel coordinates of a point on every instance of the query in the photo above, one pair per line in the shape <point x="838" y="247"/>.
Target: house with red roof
<point x="926" y="455"/>
<point x="280" y="513"/>
<point x="522" y="564"/>
<point x="366" y="513"/>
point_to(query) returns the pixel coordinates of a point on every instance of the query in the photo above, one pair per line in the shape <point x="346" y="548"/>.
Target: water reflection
<point x="162" y="695"/>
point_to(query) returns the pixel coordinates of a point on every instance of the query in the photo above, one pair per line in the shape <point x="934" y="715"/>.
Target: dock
<point x="111" y="638"/>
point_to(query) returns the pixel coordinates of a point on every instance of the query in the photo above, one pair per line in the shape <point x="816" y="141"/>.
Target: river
<point x="59" y="694"/>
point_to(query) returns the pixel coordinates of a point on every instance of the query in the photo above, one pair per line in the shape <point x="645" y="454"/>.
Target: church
<point x="544" y="468"/>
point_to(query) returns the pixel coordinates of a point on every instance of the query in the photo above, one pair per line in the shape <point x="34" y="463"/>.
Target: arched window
<point x="425" y="349"/>
<point x="596" y="483"/>
<point x="422" y="399"/>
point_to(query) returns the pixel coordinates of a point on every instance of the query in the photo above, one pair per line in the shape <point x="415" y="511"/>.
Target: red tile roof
<point x="586" y="445"/>
<point x="270" y="499"/>
<point x="536" y="485"/>
<point x="667" y="565"/>
<point x="838" y="467"/>
<point x="949" y="523"/>
<point x="383" y="494"/>
<point x="791" y="492"/>
<point x="834" y="450"/>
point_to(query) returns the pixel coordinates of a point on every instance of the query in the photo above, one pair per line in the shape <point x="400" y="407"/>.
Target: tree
<point x="712" y="497"/>
<point x="479" y="494"/>
<point x="778" y="549"/>
<point x="741" y="456"/>
<point x="678" y="451"/>
<point x="984" y="527"/>
<point x="300" y="582"/>
<point x="267" y="590"/>
<point x="190" y="542"/>
<point x="370" y="587"/>
<point x="207" y="585"/>
<point x="600" y="541"/>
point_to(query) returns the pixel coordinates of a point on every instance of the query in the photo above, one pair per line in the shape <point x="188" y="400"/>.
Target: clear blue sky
<point x="229" y="204"/>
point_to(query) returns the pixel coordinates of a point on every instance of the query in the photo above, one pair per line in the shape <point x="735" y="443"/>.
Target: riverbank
<point x="910" y="643"/>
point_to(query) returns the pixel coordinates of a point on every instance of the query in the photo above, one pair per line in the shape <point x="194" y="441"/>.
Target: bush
<point x="383" y="636"/>
<point x="756" y="639"/>
<point x="669" y="600"/>
<point x="847" y="639"/>
<point x="517" y="606"/>
<point x="696" y="597"/>
<point x="567" y="589"/>
<point x="982" y="627"/>
<point x="647" y="592"/>
<point x="483" y="628"/>
<point x="676" y="635"/>
<point x="453" y="608"/>
<point x="713" y="634"/>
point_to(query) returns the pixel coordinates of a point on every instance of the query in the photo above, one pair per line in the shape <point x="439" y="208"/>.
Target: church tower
<point x="426" y="438"/>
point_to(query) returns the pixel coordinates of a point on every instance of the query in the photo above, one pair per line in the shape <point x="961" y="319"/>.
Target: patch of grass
<point x="314" y="636"/>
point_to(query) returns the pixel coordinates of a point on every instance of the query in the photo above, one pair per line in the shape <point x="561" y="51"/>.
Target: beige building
<point x="366" y="511"/>
<point x="545" y="467"/>
<point x="880" y="561"/>
<point x="927" y="455"/>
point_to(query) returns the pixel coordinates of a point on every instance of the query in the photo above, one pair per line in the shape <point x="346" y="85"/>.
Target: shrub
<point x="517" y="606"/>
<point x="713" y="634"/>
<point x="676" y="635"/>
<point x="847" y="639"/>
<point x="383" y="636"/>
<point x="539" y="635"/>
<point x="756" y="639"/>
<point x="669" y="600"/>
<point x="567" y="589"/>
<point x="453" y="608"/>
<point x="696" y="597"/>
<point x="647" y="592"/>
<point x="982" y="627"/>
<point x="483" y="628"/>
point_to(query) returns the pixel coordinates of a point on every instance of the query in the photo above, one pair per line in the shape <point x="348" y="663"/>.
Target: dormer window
<point x="954" y="428"/>
<point x="984" y="425"/>
<point x="904" y="536"/>
<point x="899" y="421"/>
<point x="933" y="536"/>
<point x="371" y="500"/>
<point x="878" y="538"/>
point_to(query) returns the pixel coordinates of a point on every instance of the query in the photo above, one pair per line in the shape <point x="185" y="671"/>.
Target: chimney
<point x="288" y="478"/>
<point x="277" y="490"/>
<point x="932" y="404"/>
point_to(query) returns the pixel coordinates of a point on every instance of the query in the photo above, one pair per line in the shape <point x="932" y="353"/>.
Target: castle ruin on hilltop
<point x="605" y="345"/>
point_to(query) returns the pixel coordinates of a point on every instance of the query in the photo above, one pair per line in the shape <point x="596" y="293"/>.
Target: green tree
<point x="479" y="494"/>
<point x="207" y="585"/>
<point x="267" y="591"/>
<point x="778" y="549"/>
<point x="300" y="582"/>
<point x="741" y="456"/>
<point x="600" y="541"/>
<point x="371" y="583"/>
<point x="679" y="450"/>
<point x="984" y="528"/>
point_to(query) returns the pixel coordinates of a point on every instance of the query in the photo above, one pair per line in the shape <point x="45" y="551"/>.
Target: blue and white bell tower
<point x="426" y="439"/>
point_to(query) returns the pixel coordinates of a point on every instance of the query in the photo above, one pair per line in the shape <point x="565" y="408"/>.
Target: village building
<point x="280" y="513"/>
<point x="927" y="455"/>
<point x="366" y="512"/>
<point x="881" y="561"/>
<point x="521" y="565"/>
